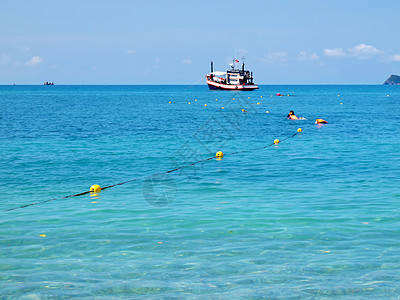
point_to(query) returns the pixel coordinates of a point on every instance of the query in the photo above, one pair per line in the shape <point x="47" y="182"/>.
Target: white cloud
<point x="338" y="52"/>
<point x="278" y="54"/>
<point x="187" y="61"/>
<point x="314" y="56"/>
<point x="275" y="57"/>
<point x="283" y="58"/>
<point x="34" y="61"/>
<point x="130" y="52"/>
<point x="395" y="57"/>
<point x="361" y="51"/>
<point x="303" y="55"/>
<point x="364" y="51"/>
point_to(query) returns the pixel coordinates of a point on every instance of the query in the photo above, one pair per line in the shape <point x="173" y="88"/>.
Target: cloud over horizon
<point x="304" y="55"/>
<point x="395" y="57"/>
<point x="361" y="51"/>
<point x="338" y="52"/>
<point x="275" y="56"/>
<point x="364" y="51"/>
<point x="34" y="61"/>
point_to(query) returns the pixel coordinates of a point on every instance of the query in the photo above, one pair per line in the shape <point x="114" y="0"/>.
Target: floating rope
<point x="153" y="175"/>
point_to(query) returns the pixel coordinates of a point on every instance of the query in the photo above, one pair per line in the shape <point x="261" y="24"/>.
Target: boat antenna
<point x="212" y="66"/>
<point x="243" y="63"/>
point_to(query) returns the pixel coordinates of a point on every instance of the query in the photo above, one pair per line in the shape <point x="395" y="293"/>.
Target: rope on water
<point x="153" y="175"/>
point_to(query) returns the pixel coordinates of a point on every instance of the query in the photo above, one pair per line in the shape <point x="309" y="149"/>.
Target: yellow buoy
<point x="219" y="154"/>
<point x="341" y="103"/>
<point x="299" y="130"/>
<point x="189" y="103"/>
<point x="248" y="97"/>
<point x="195" y="99"/>
<point x="276" y="141"/>
<point x="233" y="98"/>
<point x="169" y="102"/>
<point x="243" y="110"/>
<point x="205" y="104"/>
<point x="42" y="235"/>
<point x="216" y="99"/>
<point x="95" y="188"/>
<point x="222" y="107"/>
<point x="258" y="103"/>
<point x="267" y="112"/>
<point x="261" y="96"/>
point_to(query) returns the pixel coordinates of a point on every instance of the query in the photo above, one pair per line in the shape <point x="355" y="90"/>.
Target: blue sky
<point x="172" y="42"/>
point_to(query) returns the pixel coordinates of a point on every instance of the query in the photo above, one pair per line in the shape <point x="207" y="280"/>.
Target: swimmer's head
<point x="291" y="112"/>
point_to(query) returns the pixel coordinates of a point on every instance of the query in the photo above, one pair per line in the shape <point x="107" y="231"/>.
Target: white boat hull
<point x="222" y="86"/>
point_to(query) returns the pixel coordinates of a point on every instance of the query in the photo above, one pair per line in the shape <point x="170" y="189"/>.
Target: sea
<point x="313" y="216"/>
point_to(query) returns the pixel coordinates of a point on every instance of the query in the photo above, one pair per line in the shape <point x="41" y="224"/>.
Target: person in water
<point x="292" y="116"/>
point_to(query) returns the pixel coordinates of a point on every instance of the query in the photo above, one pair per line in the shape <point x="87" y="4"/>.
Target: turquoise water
<point x="316" y="216"/>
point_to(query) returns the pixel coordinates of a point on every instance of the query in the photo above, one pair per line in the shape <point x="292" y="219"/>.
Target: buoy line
<point x="96" y="188"/>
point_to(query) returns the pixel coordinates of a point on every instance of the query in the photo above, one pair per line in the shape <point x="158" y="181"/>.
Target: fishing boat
<point x="232" y="79"/>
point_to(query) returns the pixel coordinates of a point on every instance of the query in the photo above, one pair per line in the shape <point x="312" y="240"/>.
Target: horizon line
<point x="174" y="84"/>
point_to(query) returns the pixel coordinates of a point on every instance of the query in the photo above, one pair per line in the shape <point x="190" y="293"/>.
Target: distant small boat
<point x="48" y="83"/>
<point x="233" y="79"/>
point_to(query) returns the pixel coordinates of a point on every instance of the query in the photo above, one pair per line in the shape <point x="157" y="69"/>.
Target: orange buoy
<point x="320" y="121"/>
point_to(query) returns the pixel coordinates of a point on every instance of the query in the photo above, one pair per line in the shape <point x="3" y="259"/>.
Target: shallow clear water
<point x="317" y="216"/>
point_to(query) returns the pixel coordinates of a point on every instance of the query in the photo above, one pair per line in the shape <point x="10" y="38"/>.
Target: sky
<point x="173" y="42"/>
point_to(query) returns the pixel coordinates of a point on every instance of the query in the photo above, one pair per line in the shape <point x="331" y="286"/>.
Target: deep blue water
<point x="316" y="216"/>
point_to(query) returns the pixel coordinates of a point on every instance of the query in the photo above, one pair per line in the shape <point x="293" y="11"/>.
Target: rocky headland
<point x="392" y="80"/>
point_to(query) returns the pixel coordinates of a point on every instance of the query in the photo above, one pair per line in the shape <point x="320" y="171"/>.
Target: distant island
<point x="392" y="80"/>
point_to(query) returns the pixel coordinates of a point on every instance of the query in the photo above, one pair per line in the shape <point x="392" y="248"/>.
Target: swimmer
<point x="321" y="121"/>
<point x="292" y="116"/>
